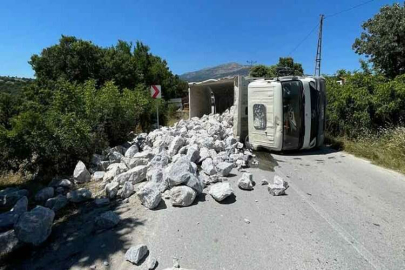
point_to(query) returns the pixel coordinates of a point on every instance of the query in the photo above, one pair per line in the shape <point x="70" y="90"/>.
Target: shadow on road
<point x="74" y="241"/>
<point x="229" y="200"/>
<point x="325" y="150"/>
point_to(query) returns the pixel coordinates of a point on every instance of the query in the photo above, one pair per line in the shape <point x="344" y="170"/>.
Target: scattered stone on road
<point x="247" y="221"/>
<point x="224" y="168"/>
<point x="136" y="253"/>
<point x="265" y="182"/>
<point x="176" y="263"/>
<point x="107" y="220"/>
<point x="151" y="263"/>
<point x="182" y="196"/>
<point x="150" y="195"/>
<point x="220" y="191"/>
<point x="246" y="182"/>
<point x="35" y="226"/>
<point x="278" y="187"/>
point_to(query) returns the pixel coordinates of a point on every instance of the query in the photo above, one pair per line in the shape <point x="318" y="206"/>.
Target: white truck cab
<point x="287" y="113"/>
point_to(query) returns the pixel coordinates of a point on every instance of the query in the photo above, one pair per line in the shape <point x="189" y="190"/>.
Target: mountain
<point x="221" y="71"/>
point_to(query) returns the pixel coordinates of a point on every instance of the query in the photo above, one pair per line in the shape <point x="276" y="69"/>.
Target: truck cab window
<point x="259" y="116"/>
<point x="292" y="115"/>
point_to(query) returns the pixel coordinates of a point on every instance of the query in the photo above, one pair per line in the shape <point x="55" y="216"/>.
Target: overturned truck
<point x="285" y="113"/>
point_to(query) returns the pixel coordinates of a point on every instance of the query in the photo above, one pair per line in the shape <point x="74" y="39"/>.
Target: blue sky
<point x="191" y="34"/>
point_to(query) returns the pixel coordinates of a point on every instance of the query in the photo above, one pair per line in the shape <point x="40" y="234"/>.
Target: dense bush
<point x="79" y="121"/>
<point x="84" y="99"/>
<point x="364" y="103"/>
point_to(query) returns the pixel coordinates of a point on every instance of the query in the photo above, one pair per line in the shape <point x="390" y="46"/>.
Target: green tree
<point x="383" y="40"/>
<point x="287" y="63"/>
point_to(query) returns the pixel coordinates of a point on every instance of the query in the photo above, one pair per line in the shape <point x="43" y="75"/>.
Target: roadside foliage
<point x="84" y="99"/>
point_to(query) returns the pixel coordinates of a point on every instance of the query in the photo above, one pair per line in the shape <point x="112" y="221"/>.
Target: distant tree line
<point x="285" y="66"/>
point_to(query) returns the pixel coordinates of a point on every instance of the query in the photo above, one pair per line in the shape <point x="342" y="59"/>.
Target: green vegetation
<point x="383" y="40"/>
<point x="271" y="71"/>
<point x="13" y="85"/>
<point x="365" y="115"/>
<point x="84" y="99"/>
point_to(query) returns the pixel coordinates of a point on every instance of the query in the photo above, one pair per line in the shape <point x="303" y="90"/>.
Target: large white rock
<point x="193" y="154"/>
<point x="134" y="175"/>
<point x="98" y="176"/>
<point x="111" y="189"/>
<point x="220" y="191"/>
<point x="79" y="195"/>
<point x="175" y="145"/>
<point x="136" y="253"/>
<point x="204" y="154"/>
<point x="65" y="183"/>
<point x="9" y="243"/>
<point x="133" y="162"/>
<point x="158" y="176"/>
<point x="150" y="195"/>
<point x="81" y="174"/>
<point x="34" y="227"/>
<point x="179" y="170"/>
<point x="151" y="263"/>
<point x="208" y="166"/>
<point x="182" y="196"/>
<point x="56" y="203"/>
<point x="44" y="194"/>
<point x="246" y="182"/>
<point x="107" y="220"/>
<point x="132" y="151"/>
<point x="224" y="168"/>
<point x="113" y="170"/>
<point x="8" y="219"/>
<point x="219" y="146"/>
<point x="278" y="187"/>
<point x="194" y="182"/>
<point x="127" y="190"/>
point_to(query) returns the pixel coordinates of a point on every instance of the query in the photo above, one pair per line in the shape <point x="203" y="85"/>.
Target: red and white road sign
<point x="156" y="91"/>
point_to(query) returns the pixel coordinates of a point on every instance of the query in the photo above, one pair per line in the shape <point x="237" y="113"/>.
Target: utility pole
<point x="319" y="49"/>
<point x="251" y="63"/>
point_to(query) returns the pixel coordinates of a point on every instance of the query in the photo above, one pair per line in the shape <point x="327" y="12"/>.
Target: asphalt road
<point x="340" y="212"/>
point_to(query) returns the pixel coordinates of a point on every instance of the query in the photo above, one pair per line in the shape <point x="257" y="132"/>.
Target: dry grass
<point x="387" y="148"/>
<point x="176" y="118"/>
<point x="11" y="179"/>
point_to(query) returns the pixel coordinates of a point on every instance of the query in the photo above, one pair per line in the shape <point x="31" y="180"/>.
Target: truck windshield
<point x="292" y="115"/>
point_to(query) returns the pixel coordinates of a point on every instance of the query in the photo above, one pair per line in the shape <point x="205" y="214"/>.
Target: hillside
<point x="221" y="71"/>
<point x="13" y="85"/>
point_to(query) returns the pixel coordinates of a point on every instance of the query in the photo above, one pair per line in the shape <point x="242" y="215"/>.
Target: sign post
<point x="156" y="92"/>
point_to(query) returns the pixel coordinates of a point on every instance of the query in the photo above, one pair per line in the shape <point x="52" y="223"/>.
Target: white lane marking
<point x="370" y="258"/>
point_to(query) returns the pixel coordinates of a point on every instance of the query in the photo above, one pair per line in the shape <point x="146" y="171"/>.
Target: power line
<point x="302" y="41"/>
<point x="328" y="16"/>
<point x="351" y="8"/>
<point x="251" y="63"/>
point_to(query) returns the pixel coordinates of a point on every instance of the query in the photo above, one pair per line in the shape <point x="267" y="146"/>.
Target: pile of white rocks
<point x="175" y="163"/>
